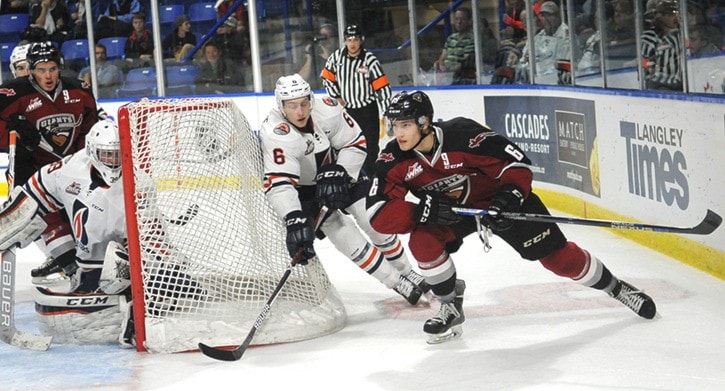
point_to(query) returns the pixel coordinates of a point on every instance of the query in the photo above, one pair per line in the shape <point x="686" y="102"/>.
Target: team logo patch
<point x="476" y="141"/>
<point x="329" y="101"/>
<point x="34" y="104"/>
<point x="7" y="91"/>
<point x="74" y="188"/>
<point x="413" y="171"/>
<point x="58" y="128"/>
<point x="281" y="129"/>
<point x="310" y="147"/>
<point x="362" y="69"/>
<point x="386" y="157"/>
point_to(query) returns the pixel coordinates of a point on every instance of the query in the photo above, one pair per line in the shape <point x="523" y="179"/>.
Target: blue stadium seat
<point x="6" y="49"/>
<point x="180" y="79"/>
<point x="115" y="47"/>
<point x="75" y="53"/>
<point x="168" y="13"/>
<point x="11" y="25"/>
<point x="203" y="17"/>
<point x="139" y="82"/>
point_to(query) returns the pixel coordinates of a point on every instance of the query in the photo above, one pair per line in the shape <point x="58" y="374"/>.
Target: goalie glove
<point x="508" y="199"/>
<point x="435" y="208"/>
<point x="332" y="187"/>
<point x="300" y="236"/>
<point x="115" y="274"/>
<point x="29" y="136"/>
<point x="20" y="223"/>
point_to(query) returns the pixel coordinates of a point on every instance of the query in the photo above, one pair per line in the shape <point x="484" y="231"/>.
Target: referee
<point x="354" y="77"/>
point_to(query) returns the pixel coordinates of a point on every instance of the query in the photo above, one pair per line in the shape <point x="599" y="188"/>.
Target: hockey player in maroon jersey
<point x="51" y="115"/>
<point x="462" y="163"/>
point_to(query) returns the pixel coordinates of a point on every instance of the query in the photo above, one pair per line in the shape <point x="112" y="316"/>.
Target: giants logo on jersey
<point x="476" y="141"/>
<point x="457" y="187"/>
<point x="58" y="128"/>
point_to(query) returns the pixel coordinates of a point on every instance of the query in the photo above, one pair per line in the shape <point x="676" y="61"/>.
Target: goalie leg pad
<point x="115" y="274"/>
<point x="19" y="222"/>
<point x="90" y="318"/>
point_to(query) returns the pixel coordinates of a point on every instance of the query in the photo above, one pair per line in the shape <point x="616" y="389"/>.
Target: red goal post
<point x="206" y="249"/>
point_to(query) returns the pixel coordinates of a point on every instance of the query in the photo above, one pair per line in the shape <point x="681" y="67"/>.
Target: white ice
<point x="526" y="329"/>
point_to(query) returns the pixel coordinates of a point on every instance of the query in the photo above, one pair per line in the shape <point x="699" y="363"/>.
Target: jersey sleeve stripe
<point x="42" y="196"/>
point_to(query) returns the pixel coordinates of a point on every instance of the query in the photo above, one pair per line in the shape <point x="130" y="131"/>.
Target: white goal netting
<point x="207" y="249"/>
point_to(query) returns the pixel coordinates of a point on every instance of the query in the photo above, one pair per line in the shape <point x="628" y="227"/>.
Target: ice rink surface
<point x="526" y="329"/>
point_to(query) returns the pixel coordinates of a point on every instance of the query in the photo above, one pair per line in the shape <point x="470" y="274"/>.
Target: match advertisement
<point x="557" y="134"/>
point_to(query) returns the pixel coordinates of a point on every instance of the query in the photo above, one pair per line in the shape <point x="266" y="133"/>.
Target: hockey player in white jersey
<point x="313" y="152"/>
<point x="86" y="185"/>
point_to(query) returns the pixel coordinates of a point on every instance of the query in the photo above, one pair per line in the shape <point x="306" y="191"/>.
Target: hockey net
<point x="206" y="248"/>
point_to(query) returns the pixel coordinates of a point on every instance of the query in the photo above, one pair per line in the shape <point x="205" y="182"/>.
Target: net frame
<point x="205" y="247"/>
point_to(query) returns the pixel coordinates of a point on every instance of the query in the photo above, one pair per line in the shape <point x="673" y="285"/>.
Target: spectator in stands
<point x="550" y="44"/>
<point x="218" y="74"/>
<point x="180" y="41"/>
<point x="14" y="6"/>
<point x="232" y="42"/>
<point x="116" y="18"/>
<point x="240" y="14"/>
<point x="53" y="16"/>
<point x="78" y="28"/>
<point x="457" y="48"/>
<point x="107" y="74"/>
<point x="139" y="47"/>
<point x="699" y="42"/>
<point x="661" y="49"/>
<point x="489" y="45"/>
<point x="621" y="31"/>
<point x="316" y="54"/>
<point x="515" y="28"/>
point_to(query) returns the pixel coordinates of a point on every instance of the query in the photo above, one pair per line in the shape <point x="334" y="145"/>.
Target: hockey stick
<point x="8" y="333"/>
<point x="236" y="353"/>
<point x="708" y="224"/>
<point x="190" y="213"/>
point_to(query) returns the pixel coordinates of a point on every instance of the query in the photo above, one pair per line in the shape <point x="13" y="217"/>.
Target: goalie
<point x="87" y="186"/>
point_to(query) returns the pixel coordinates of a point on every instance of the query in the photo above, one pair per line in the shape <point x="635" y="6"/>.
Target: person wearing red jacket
<point x="463" y="163"/>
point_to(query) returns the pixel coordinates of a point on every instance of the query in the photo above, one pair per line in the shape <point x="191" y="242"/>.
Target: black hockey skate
<point x="635" y="299"/>
<point x="408" y="290"/>
<point x="419" y="281"/>
<point x="52" y="271"/>
<point x="446" y="325"/>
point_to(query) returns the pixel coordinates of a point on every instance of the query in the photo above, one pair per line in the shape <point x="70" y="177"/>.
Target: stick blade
<point x="27" y="341"/>
<point x="709" y="224"/>
<point x="221" y="354"/>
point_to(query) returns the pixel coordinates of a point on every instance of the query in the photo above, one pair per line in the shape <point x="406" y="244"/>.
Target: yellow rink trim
<point x="695" y="254"/>
<point x="3" y="189"/>
<point x="208" y="182"/>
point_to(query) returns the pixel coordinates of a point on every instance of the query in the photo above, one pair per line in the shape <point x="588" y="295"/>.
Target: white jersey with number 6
<point x="96" y="210"/>
<point x="292" y="157"/>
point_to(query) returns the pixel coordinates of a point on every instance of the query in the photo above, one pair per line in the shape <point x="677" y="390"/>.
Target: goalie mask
<point x="292" y="87"/>
<point x="104" y="149"/>
<point x="19" y="59"/>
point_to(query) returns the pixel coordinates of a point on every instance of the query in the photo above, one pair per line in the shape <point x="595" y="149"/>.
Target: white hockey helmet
<point x="103" y="147"/>
<point x="292" y="87"/>
<point x="19" y="55"/>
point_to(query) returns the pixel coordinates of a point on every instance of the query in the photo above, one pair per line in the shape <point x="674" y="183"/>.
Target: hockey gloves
<point x="435" y="208"/>
<point x="300" y="236"/>
<point x="27" y="132"/>
<point x="332" y="187"/>
<point x="508" y="199"/>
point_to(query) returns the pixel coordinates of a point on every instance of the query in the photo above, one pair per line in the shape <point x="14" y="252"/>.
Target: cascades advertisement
<point x="557" y="134"/>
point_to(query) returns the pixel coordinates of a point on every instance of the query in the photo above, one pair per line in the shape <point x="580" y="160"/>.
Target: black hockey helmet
<point x="43" y="52"/>
<point x="410" y="105"/>
<point x="352" y="30"/>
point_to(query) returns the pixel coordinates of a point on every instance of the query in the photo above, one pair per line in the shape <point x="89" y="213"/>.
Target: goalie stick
<point x="708" y="224"/>
<point x="8" y="333"/>
<point x="236" y="353"/>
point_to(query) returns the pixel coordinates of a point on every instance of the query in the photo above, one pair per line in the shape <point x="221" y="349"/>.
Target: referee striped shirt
<point x="359" y="81"/>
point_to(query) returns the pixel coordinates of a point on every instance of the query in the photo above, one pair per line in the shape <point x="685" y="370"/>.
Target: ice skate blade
<point x="454" y="332"/>
<point x="50" y="280"/>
